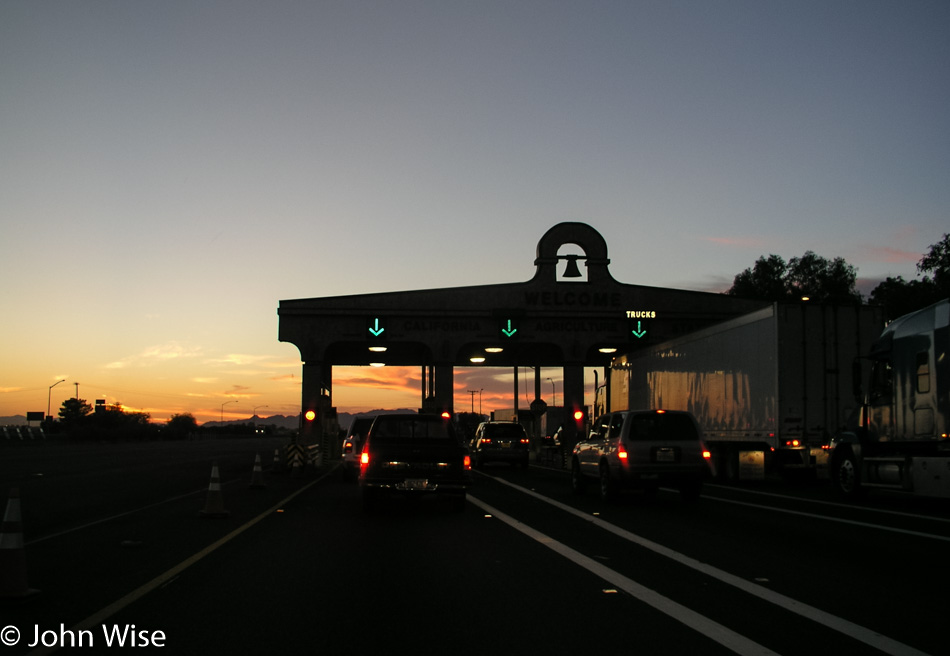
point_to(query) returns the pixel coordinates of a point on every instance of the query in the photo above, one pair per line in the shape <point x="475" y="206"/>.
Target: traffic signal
<point x="580" y="419"/>
<point x="310" y="415"/>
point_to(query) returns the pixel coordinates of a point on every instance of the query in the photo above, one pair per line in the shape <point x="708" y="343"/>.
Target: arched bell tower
<point x="591" y="242"/>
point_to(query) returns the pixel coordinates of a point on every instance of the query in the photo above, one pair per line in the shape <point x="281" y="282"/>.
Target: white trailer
<point x="770" y="388"/>
<point x="898" y="439"/>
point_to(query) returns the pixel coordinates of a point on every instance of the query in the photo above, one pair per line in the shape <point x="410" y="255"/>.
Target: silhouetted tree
<point x="772" y="279"/>
<point x="898" y="296"/>
<point x="179" y="426"/>
<point x="765" y="280"/>
<point x="73" y="411"/>
<point x="937" y="264"/>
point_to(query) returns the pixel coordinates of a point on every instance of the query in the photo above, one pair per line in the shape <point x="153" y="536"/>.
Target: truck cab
<point x="898" y="439"/>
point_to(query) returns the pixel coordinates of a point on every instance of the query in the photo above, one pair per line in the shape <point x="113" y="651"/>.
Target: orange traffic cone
<point x="13" y="583"/>
<point x="214" y="506"/>
<point x="257" y="477"/>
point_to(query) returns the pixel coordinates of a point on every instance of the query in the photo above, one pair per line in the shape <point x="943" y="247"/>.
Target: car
<point x="500" y="441"/>
<point x="642" y="449"/>
<point x="414" y="455"/>
<point x="353" y="445"/>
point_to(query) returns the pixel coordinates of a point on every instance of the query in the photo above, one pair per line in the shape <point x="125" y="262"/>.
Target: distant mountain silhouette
<point x="281" y="421"/>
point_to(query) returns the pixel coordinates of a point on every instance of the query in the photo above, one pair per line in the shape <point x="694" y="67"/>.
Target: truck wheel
<point x="846" y="476"/>
<point x="578" y="484"/>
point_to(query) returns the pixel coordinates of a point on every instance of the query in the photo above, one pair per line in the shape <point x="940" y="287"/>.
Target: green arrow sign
<point x="376" y="330"/>
<point x="639" y="332"/>
<point x="509" y="331"/>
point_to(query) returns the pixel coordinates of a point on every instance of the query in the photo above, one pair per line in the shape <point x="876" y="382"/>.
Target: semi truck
<point x="898" y="436"/>
<point x="770" y="388"/>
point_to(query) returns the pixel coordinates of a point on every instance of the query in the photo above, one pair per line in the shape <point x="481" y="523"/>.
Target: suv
<point x="414" y="455"/>
<point x="353" y="444"/>
<point x="500" y="441"/>
<point x="642" y="449"/>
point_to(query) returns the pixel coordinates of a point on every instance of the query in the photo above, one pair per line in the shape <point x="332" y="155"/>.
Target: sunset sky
<point x="171" y="170"/>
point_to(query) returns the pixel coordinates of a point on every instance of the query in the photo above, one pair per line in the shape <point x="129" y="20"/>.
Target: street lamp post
<point x="49" y="397"/>
<point x="553" y="393"/>
<point x="222" y="408"/>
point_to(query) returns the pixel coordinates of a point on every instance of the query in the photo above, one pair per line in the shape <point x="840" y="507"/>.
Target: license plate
<point x="665" y="455"/>
<point x="416" y="483"/>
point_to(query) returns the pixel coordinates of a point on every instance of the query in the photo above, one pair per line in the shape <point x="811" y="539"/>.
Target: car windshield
<point x="503" y="430"/>
<point x="662" y="427"/>
<point x="416" y="428"/>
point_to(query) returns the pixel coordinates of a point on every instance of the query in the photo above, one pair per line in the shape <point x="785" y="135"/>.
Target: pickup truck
<point x="414" y="455"/>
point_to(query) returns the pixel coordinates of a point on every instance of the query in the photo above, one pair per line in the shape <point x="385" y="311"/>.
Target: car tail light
<point x="707" y="454"/>
<point x="661" y="412"/>
<point x="486" y="440"/>
<point x="524" y="440"/>
<point x="467" y="462"/>
<point x="364" y="458"/>
<point x="622" y="452"/>
<point x="348" y="446"/>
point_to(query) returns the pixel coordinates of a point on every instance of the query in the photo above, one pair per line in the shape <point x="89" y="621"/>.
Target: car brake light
<point x="485" y="440"/>
<point x="364" y="458"/>
<point x="348" y="446"/>
<point x="467" y="462"/>
<point x="622" y="453"/>
<point x="707" y="454"/>
<point x="661" y="412"/>
<point x="524" y="440"/>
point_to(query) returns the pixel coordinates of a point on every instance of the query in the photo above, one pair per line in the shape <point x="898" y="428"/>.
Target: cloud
<point x="389" y="378"/>
<point x="240" y="359"/>
<point x="240" y="391"/>
<point x="154" y="354"/>
<point x="892" y="255"/>
<point x="204" y="380"/>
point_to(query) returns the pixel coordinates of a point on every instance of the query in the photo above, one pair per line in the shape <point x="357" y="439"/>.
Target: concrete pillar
<point x="573" y="400"/>
<point x="445" y="387"/>
<point x="316" y="397"/>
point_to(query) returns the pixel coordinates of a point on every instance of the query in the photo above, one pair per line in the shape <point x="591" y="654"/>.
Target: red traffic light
<point x="578" y="415"/>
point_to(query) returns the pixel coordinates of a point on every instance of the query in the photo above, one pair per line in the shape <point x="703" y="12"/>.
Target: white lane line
<point x="833" y="504"/>
<point x="860" y="633"/>
<point x="852" y="522"/>
<point x="712" y="630"/>
<point x="162" y="579"/>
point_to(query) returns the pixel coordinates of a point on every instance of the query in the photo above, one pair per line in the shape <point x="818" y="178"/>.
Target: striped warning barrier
<point x="13" y="583"/>
<point x="214" y="505"/>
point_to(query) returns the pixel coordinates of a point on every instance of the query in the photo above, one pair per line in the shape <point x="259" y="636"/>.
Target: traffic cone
<point x="13" y="582"/>
<point x="257" y="478"/>
<point x="277" y="464"/>
<point x="214" y="505"/>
